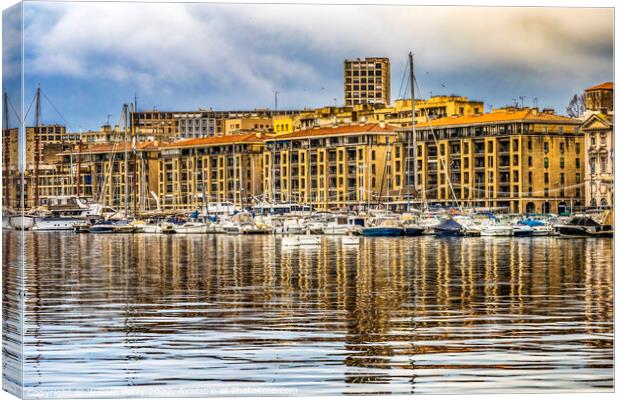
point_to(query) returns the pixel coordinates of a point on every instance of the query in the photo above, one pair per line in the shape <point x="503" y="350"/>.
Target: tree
<point x="577" y="106"/>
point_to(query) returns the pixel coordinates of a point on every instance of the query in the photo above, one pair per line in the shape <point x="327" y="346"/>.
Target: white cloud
<point x="254" y="49"/>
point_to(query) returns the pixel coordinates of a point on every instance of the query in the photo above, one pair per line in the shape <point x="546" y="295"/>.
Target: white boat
<point x="545" y="230"/>
<point x="231" y="227"/>
<point x="290" y="226"/>
<point x="222" y="209"/>
<point x="145" y="227"/>
<point x="64" y="213"/>
<point x="191" y="227"/>
<point x="6" y="222"/>
<point x="21" y="222"/>
<point x="57" y="223"/>
<point x="337" y="226"/>
<point x="496" y="229"/>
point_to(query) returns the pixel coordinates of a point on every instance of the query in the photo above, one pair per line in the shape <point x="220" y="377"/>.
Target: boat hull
<point x="382" y="232"/>
<point x="56" y="224"/>
<point x="414" y="231"/>
<point x="584" y="231"/>
<point x="21" y="222"/>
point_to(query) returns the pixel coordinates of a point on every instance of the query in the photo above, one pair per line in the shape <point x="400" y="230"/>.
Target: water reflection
<point x="416" y="315"/>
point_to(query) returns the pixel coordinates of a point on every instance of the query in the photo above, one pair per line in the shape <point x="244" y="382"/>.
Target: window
<point x="603" y="165"/>
<point x="562" y="162"/>
<point x="593" y="141"/>
<point x="577" y="148"/>
<point x="529" y="145"/>
<point x="561" y="178"/>
<point x="546" y="162"/>
<point x="577" y="163"/>
<point x="546" y="147"/>
<point x="592" y="166"/>
<point x="530" y="177"/>
<point x="546" y="178"/>
<point x="562" y="147"/>
<point x="529" y="161"/>
<point x="578" y="178"/>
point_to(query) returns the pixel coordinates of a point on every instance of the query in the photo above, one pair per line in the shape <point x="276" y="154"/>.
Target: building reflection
<point x="392" y="302"/>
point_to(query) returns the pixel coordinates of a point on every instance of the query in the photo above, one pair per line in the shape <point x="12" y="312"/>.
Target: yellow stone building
<point x="283" y="124"/>
<point x="192" y="173"/>
<point x="435" y="107"/>
<point x="331" y="168"/>
<point x="234" y="126"/>
<point x="518" y="159"/>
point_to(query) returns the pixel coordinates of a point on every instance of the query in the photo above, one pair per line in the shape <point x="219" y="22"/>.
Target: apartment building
<point x="192" y="173"/>
<point x="367" y="81"/>
<point x="245" y="124"/>
<point x="196" y="125"/>
<point x="330" y="168"/>
<point x="113" y="174"/>
<point x="523" y="160"/>
<point x="435" y="107"/>
<point x="169" y="126"/>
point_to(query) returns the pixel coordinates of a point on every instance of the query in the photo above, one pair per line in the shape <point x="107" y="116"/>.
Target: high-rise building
<point x="367" y="81"/>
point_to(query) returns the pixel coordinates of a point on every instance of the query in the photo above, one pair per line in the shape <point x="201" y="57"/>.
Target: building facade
<point x="192" y="173"/>
<point x="331" y="168"/>
<point x="196" y="125"/>
<point x="522" y="160"/>
<point x="367" y="81"/>
<point x="600" y="98"/>
<point x="598" y="129"/>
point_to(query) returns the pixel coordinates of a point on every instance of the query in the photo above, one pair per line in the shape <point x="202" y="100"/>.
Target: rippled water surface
<point x="110" y="315"/>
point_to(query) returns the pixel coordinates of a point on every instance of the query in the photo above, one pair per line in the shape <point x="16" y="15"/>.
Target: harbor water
<point x="218" y="315"/>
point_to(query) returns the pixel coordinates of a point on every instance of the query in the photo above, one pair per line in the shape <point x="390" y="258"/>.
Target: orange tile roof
<point x="526" y="115"/>
<point x="215" y="140"/>
<point x="116" y="147"/>
<point x="334" y="131"/>
<point x="605" y="86"/>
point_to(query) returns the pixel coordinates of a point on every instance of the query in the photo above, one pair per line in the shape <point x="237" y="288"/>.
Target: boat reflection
<point x="388" y="316"/>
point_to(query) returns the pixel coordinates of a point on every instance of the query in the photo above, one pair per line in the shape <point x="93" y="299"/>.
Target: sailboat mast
<point x="134" y="152"/>
<point x="126" y="163"/>
<point x="7" y="151"/>
<point x="79" y="167"/>
<point x="412" y="142"/>
<point x="37" y="145"/>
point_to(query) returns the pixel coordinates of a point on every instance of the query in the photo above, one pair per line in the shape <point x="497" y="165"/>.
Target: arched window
<point x="530" y="208"/>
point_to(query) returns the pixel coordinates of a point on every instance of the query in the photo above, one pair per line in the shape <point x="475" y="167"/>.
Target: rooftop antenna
<point x="276" y="100"/>
<point x="522" y="98"/>
<point x="535" y="102"/>
<point x="108" y="121"/>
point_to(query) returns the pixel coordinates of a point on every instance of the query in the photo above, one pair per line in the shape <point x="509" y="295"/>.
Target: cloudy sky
<point x="90" y="58"/>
